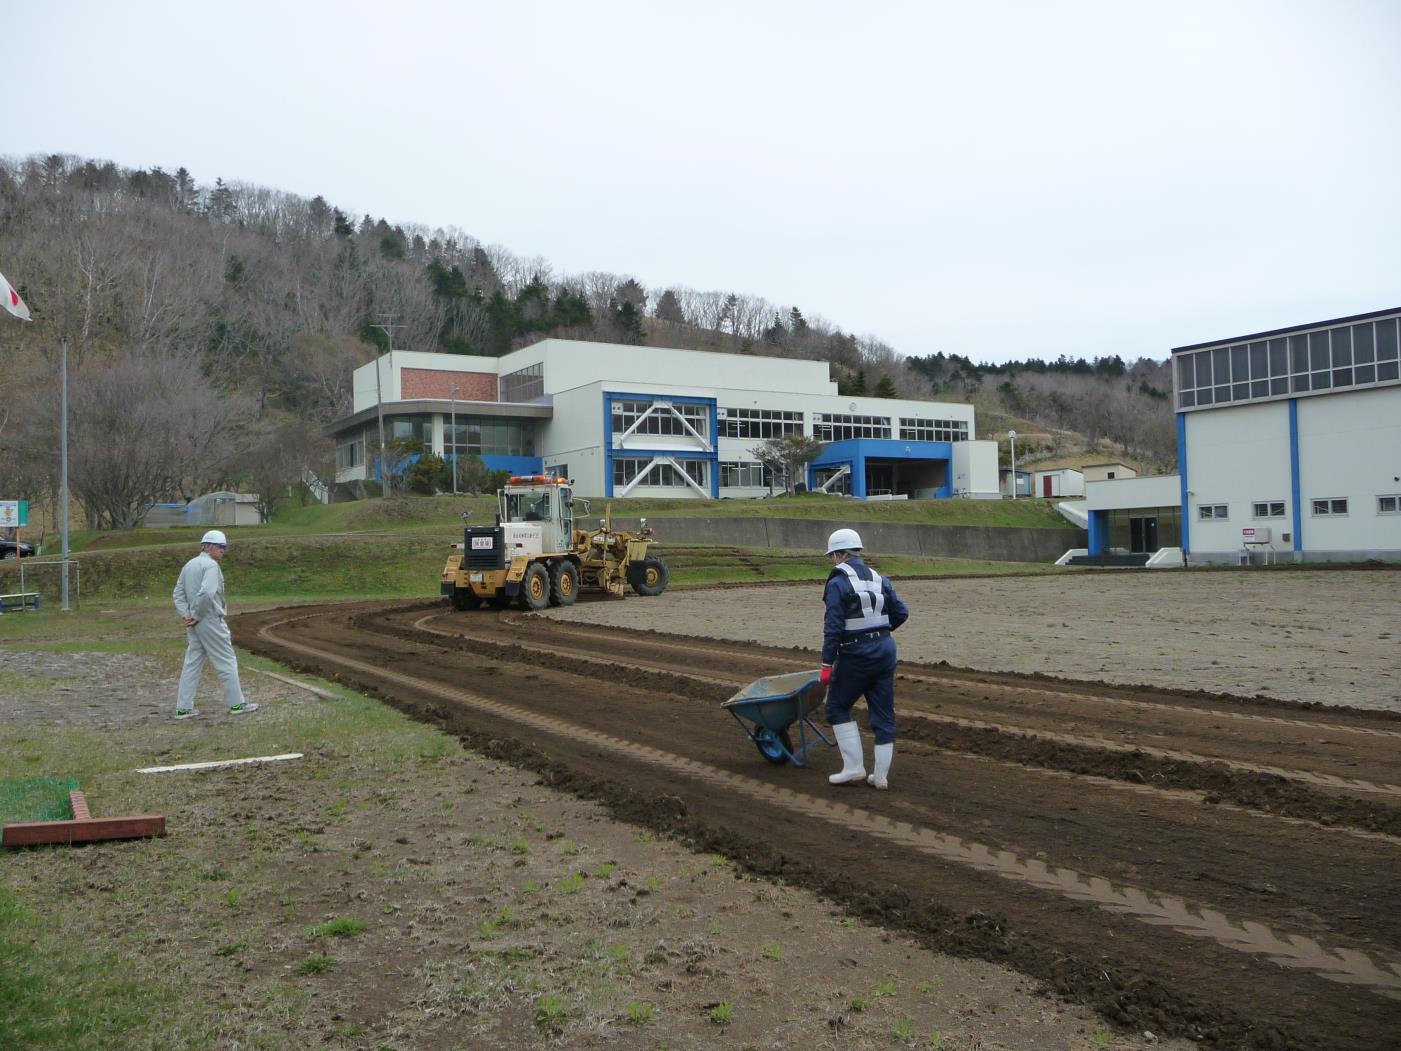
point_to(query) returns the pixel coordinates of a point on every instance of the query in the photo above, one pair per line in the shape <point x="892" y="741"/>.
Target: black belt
<point x="865" y="635"/>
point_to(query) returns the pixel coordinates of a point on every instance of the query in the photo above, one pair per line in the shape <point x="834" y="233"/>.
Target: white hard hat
<point x="216" y="537"/>
<point x="844" y="540"/>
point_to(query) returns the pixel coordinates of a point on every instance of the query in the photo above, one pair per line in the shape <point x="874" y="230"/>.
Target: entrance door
<point x="1143" y="534"/>
<point x="880" y="479"/>
<point x="1046" y="485"/>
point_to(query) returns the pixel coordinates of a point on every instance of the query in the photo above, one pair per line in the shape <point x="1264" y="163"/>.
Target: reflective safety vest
<point x="871" y="598"/>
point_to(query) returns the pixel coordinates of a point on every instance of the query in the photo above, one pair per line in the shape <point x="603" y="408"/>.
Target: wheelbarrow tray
<point x="767" y="708"/>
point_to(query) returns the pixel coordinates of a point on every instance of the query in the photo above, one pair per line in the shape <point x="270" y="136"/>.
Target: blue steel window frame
<point x="610" y="454"/>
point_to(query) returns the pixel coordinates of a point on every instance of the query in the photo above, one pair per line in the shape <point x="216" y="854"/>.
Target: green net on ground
<point x="35" y="799"/>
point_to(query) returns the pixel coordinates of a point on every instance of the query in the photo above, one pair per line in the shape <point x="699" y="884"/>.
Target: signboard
<point x="14" y="513"/>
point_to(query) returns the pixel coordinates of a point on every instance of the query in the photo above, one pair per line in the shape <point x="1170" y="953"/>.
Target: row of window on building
<point x="1331" y="358"/>
<point x="1320" y="507"/>
<point x="734" y="474"/>
<point x="633" y="417"/>
<point x="470" y="435"/>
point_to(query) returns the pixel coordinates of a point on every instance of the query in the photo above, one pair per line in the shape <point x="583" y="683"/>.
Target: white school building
<point x="651" y="421"/>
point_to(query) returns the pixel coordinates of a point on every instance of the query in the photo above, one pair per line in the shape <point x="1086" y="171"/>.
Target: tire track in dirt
<point x="967" y="680"/>
<point x="1180" y="795"/>
<point x="1323" y="780"/>
<point x="1196" y="796"/>
<point x="1344" y="965"/>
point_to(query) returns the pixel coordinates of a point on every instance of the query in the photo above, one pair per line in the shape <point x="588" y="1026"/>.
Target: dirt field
<point x="1192" y="865"/>
<point x="497" y="912"/>
<point x="1329" y="637"/>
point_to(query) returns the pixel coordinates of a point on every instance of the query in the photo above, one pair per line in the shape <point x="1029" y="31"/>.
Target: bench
<point x="20" y="600"/>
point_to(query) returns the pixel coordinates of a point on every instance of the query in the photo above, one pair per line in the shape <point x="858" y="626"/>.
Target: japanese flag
<point x="11" y="301"/>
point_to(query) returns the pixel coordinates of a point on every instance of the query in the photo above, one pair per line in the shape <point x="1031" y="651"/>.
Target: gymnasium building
<point x="1288" y="448"/>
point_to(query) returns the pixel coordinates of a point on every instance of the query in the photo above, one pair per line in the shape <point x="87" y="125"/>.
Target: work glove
<point x="825" y="676"/>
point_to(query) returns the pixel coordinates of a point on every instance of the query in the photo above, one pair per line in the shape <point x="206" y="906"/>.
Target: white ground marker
<point x="219" y="763"/>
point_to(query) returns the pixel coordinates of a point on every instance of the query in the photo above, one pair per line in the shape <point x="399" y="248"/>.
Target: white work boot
<point x="884" y="754"/>
<point x="849" y="741"/>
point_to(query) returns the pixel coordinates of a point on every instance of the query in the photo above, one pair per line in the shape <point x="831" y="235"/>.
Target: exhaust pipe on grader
<point x="534" y="554"/>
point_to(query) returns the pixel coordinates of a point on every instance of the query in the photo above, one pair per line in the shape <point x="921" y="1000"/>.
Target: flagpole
<point x="63" y="469"/>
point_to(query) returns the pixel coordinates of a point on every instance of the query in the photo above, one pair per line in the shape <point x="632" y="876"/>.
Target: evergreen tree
<point x="481" y="275"/>
<point x="221" y="201"/>
<point x="631" y="292"/>
<point x="886" y="388"/>
<point x="775" y="334"/>
<point x="669" y="308"/>
<point x="629" y="321"/>
<point x="571" y="310"/>
<point x="533" y="306"/>
<point x="859" y="385"/>
<point x="503" y="322"/>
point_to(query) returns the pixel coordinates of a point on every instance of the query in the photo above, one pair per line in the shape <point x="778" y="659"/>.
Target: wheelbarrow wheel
<point x="768" y="743"/>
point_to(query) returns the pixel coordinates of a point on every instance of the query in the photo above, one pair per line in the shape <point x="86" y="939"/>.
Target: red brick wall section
<point x="437" y="383"/>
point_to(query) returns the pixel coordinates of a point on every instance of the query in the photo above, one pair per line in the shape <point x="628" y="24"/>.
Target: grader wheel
<point x="649" y="577"/>
<point x="565" y="578"/>
<point x="535" y="587"/>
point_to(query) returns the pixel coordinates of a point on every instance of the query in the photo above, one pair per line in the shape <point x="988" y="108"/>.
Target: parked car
<point x="8" y="547"/>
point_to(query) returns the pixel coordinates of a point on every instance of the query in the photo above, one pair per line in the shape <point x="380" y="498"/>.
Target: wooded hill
<point x="245" y="310"/>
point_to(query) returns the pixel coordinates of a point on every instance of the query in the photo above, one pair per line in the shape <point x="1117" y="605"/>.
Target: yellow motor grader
<point x="535" y="555"/>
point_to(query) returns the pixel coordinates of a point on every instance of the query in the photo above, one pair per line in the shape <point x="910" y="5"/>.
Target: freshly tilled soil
<point x="1188" y="864"/>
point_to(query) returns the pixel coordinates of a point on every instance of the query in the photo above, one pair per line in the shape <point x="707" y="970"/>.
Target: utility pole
<point x="388" y="330"/>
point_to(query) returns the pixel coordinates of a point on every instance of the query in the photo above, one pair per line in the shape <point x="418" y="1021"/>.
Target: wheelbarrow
<point x="767" y="708"/>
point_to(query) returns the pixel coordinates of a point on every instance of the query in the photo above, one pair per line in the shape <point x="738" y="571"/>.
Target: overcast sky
<point x="993" y="179"/>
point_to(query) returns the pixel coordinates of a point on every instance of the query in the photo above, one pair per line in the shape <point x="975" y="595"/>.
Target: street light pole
<point x="1012" y="438"/>
<point x="63" y="472"/>
<point x="388" y="329"/>
<point x="453" y="394"/>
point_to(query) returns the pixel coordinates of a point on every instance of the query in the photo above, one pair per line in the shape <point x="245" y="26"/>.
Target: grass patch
<point x="316" y="963"/>
<point x="721" y="1014"/>
<point x="640" y="1012"/>
<point x="61" y="995"/>
<point x="340" y="927"/>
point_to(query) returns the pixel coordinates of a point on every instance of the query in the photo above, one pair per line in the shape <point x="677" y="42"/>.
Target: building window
<point x="412" y="429"/>
<point x="351" y="453"/>
<point x="1207" y="512"/>
<point x="488" y="436"/>
<point x="1339" y="357"/>
<point x="1329" y="507"/>
<point x="917" y="430"/>
<point x="746" y="474"/>
<point x="662" y="420"/>
<point x="838" y="427"/>
<point x="1268" y="509"/>
<point x="759" y="423"/>
<point x="661" y="474"/>
<point x="1389" y="505"/>
<point x="525" y="385"/>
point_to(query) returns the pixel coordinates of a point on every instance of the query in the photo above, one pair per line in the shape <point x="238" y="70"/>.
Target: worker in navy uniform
<point x="858" y="657"/>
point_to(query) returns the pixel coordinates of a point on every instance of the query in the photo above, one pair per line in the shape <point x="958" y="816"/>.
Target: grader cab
<point x="537" y="555"/>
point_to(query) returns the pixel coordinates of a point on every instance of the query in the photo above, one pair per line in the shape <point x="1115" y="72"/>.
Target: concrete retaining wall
<point x="997" y="543"/>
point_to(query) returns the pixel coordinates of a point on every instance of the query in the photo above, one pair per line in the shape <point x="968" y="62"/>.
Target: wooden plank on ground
<point x="34" y="833"/>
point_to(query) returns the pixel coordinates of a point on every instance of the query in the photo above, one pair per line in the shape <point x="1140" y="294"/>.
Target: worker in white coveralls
<point x="199" y="598"/>
<point x="858" y="657"/>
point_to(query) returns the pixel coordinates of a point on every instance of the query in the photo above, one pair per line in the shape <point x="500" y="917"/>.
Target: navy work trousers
<point x="866" y="667"/>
